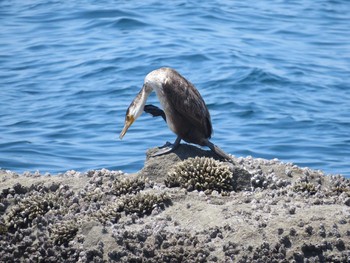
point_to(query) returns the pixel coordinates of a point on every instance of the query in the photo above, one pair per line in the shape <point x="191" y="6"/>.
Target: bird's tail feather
<point x="218" y="151"/>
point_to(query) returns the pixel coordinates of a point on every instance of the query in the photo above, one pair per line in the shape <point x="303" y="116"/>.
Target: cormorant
<point x="184" y="109"/>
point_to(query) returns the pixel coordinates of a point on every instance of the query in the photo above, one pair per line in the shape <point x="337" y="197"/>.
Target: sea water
<point x="274" y="74"/>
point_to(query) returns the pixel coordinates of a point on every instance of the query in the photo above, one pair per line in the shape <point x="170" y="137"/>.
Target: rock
<point x="347" y="201"/>
<point x="276" y="212"/>
<point x="157" y="167"/>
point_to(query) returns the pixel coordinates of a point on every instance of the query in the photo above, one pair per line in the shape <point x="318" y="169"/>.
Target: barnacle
<point x="63" y="232"/>
<point x="202" y="174"/>
<point x="340" y="185"/>
<point x="341" y="189"/>
<point x="3" y="228"/>
<point x="305" y="187"/>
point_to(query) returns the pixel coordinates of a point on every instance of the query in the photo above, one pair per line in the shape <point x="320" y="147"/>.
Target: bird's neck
<point x="144" y="93"/>
<point x="140" y="101"/>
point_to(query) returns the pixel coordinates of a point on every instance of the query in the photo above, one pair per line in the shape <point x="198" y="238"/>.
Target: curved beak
<point x="127" y="124"/>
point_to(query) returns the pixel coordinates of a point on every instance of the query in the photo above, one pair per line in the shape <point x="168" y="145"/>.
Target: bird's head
<point x="153" y="81"/>
<point x="132" y="113"/>
<point x="129" y="119"/>
<point x="135" y="109"/>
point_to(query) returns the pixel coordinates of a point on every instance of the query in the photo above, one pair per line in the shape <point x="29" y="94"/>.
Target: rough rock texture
<point x="276" y="212"/>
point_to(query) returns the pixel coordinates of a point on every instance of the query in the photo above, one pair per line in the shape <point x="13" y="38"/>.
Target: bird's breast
<point x="168" y="110"/>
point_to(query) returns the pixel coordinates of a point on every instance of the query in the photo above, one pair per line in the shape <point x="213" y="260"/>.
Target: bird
<point x="184" y="110"/>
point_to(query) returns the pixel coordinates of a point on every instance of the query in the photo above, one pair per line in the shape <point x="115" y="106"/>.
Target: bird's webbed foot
<point x="168" y="148"/>
<point x="154" y="111"/>
<point x="166" y="145"/>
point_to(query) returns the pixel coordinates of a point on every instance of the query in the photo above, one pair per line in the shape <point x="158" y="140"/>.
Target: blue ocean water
<point x="274" y="74"/>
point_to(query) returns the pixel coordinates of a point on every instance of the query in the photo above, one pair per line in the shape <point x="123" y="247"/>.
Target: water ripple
<point x="274" y="76"/>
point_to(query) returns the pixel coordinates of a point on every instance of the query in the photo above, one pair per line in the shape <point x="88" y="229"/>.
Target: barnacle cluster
<point x="27" y="220"/>
<point x="151" y="245"/>
<point x="29" y="207"/>
<point x="42" y="221"/>
<point x="305" y="187"/>
<point x="142" y="203"/>
<point x="96" y="190"/>
<point x="340" y="185"/>
<point x="260" y="180"/>
<point x="3" y="228"/>
<point x="202" y="174"/>
<point x="339" y="190"/>
<point x="93" y="195"/>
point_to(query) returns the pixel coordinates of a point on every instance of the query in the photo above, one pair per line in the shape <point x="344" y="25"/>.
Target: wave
<point x="258" y="75"/>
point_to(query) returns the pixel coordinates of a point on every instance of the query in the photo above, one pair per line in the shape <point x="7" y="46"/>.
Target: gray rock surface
<point x="276" y="212"/>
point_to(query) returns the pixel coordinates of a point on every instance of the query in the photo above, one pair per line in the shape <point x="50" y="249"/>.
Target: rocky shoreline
<point x="177" y="210"/>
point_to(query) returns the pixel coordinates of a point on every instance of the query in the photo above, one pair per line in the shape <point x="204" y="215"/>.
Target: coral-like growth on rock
<point x="29" y="208"/>
<point x="140" y="204"/>
<point x="109" y="213"/>
<point x="63" y="232"/>
<point x="143" y="203"/>
<point x="202" y="174"/>
<point x="128" y="186"/>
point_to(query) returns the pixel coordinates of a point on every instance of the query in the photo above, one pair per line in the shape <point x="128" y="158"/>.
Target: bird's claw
<point x="163" y="150"/>
<point x="168" y="147"/>
<point x="167" y="144"/>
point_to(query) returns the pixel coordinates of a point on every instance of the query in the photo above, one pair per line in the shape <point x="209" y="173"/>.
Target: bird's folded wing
<point x="187" y="101"/>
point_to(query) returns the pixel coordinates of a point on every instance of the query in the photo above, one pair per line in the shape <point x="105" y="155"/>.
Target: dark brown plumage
<point x="189" y="113"/>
